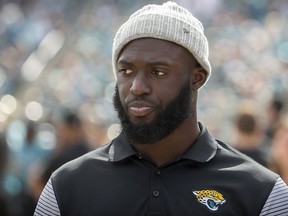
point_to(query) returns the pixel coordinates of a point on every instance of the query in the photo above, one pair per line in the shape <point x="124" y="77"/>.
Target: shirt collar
<point x="120" y="149"/>
<point x="202" y="150"/>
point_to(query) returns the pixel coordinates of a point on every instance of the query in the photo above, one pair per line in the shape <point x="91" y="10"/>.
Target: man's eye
<point x="125" y="71"/>
<point x="158" y="73"/>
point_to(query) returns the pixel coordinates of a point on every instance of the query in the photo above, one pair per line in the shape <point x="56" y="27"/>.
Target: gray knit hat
<point x="168" y="21"/>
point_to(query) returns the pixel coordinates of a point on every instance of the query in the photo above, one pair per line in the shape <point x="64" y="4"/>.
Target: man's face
<point x="153" y="93"/>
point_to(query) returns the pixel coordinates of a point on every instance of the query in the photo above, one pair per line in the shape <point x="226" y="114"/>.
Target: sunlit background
<point x="57" y="54"/>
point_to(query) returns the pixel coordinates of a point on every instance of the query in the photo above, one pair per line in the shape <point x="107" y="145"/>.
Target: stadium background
<point x="57" y="54"/>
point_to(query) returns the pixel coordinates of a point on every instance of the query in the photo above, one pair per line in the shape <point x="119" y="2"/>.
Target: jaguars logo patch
<point x="210" y="198"/>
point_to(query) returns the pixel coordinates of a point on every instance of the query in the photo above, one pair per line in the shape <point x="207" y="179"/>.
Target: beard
<point x="164" y="123"/>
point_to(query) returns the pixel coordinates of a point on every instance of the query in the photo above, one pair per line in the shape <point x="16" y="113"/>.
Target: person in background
<point x="164" y="161"/>
<point x="275" y="108"/>
<point x="30" y="154"/>
<point x="4" y="205"/>
<point x="24" y="153"/>
<point x="280" y="149"/>
<point x="71" y="143"/>
<point x="250" y="138"/>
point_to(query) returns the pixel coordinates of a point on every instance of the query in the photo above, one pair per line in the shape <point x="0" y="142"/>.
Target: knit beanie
<point x="168" y="21"/>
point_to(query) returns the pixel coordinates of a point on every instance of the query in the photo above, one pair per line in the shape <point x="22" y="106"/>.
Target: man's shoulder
<point x="234" y="160"/>
<point x="96" y="156"/>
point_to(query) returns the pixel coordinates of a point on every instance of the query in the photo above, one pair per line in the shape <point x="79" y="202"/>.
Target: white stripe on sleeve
<point x="277" y="202"/>
<point x="47" y="204"/>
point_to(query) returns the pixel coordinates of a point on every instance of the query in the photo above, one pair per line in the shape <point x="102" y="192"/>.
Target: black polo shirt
<point x="211" y="178"/>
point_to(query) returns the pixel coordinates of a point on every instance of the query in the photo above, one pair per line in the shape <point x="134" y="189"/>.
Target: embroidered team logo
<point x="210" y="198"/>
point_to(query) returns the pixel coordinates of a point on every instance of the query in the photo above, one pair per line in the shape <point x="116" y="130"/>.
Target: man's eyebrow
<point x="158" y="63"/>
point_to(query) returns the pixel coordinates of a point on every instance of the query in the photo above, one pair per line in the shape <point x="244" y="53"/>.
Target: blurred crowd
<point x="56" y="84"/>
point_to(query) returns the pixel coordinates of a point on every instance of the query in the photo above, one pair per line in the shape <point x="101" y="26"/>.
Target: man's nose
<point x="140" y="84"/>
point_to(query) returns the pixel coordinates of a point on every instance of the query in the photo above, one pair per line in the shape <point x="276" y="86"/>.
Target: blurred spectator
<point x="71" y="143"/>
<point x="3" y="162"/>
<point x="274" y="115"/>
<point x="24" y="152"/>
<point x="280" y="149"/>
<point x="251" y="139"/>
<point x="30" y="152"/>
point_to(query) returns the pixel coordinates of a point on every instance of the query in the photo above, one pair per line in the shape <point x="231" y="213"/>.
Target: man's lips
<point x="140" y="108"/>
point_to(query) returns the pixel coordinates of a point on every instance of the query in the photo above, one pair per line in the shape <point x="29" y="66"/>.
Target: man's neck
<point x="173" y="146"/>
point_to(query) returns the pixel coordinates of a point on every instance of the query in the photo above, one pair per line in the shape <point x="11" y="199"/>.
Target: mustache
<point x="139" y="101"/>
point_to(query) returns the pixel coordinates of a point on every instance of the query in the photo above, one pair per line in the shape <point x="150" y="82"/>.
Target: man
<point x="164" y="162"/>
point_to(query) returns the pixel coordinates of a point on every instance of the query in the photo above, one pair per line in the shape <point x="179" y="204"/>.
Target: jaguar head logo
<point x="210" y="198"/>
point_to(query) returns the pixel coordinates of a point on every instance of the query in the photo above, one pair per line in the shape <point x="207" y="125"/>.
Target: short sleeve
<point x="47" y="204"/>
<point x="277" y="202"/>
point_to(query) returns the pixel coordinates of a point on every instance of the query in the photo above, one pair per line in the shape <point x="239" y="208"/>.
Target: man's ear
<point x="198" y="77"/>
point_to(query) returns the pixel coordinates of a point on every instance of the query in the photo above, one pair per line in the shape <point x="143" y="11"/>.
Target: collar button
<point x="157" y="172"/>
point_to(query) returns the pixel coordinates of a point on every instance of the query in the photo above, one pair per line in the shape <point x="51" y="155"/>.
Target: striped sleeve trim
<point x="277" y="202"/>
<point x="47" y="204"/>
